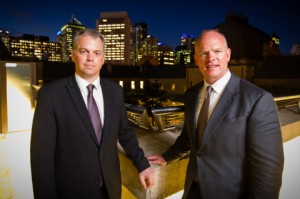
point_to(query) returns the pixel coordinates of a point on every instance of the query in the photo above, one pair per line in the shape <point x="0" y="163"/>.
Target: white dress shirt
<point x="218" y="89"/>
<point x="97" y="93"/>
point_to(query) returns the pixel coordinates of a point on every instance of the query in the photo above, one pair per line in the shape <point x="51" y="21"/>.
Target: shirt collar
<point x="220" y="84"/>
<point x="83" y="83"/>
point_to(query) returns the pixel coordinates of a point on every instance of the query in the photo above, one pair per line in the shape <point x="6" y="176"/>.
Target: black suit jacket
<point x="241" y="154"/>
<point x="66" y="160"/>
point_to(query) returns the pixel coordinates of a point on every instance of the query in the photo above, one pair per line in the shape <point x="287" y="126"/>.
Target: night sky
<point x="166" y="21"/>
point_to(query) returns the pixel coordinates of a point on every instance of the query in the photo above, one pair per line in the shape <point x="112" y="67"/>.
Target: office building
<point x="116" y="28"/>
<point x="140" y="33"/>
<point x="65" y="38"/>
<point x="165" y="54"/>
<point x="148" y="49"/>
<point x="184" y="52"/>
<point x="29" y="47"/>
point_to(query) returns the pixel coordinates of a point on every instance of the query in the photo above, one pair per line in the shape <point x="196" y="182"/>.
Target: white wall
<point x="291" y="175"/>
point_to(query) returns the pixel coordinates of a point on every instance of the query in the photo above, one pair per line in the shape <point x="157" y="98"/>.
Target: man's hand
<point x="147" y="178"/>
<point x="156" y="159"/>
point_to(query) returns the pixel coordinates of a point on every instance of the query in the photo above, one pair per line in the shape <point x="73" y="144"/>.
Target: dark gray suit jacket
<point x="241" y="154"/>
<point x="66" y="159"/>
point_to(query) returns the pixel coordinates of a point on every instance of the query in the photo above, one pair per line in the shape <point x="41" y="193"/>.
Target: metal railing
<point x="160" y="119"/>
<point x="168" y="118"/>
<point x="288" y="101"/>
<point x="138" y="116"/>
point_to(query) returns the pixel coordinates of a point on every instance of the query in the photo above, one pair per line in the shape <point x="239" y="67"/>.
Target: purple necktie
<point x="94" y="112"/>
<point x="203" y="115"/>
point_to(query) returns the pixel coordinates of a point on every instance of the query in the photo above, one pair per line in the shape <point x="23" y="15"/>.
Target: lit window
<point x="121" y="83"/>
<point x="173" y="87"/>
<point x="132" y="85"/>
<point x="141" y="84"/>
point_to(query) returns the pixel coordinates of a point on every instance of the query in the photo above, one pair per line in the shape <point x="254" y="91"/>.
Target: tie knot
<point x="209" y="89"/>
<point x="90" y="87"/>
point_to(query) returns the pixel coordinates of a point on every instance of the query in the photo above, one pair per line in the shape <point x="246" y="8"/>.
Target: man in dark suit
<point x="240" y="154"/>
<point x="67" y="159"/>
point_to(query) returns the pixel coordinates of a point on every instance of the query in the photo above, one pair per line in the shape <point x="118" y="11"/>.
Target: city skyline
<point x="190" y="17"/>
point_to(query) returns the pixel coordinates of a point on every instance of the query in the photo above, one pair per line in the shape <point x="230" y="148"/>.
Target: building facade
<point x="140" y="33"/>
<point x="116" y="27"/>
<point x="165" y="55"/>
<point x="29" y="47"/>
<point x="184" y="52"/>
<point x="65" y="38"/>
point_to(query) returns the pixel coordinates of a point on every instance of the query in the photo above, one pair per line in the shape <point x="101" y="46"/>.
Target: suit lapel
<point x="192" y="109"/>
<point x="221" y="109"/>
<point x="78" y="101"/>
<point x="107" y="99"/>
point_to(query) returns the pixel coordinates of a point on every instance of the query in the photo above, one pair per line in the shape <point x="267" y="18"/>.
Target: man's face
<point x="212" y="56"/>
<point x="88" y="57"/>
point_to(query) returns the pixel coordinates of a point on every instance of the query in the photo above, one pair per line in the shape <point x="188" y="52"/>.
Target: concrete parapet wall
<point x="169" y="179"/>
<point x="290" y="131"/>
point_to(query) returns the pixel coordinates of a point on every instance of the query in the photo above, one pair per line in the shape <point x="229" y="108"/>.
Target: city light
<point x="10" y="65"/>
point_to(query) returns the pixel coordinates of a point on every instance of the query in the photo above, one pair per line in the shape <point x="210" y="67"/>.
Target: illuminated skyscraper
<point x="116" y="28"/>
<point x="184" y="52"/>
<point x="65" y="38"/>
<point x="188" y="41"/>
<point x="148" y="48"/>
<point x="140" y="34"/>
<point x="165" y="54"/>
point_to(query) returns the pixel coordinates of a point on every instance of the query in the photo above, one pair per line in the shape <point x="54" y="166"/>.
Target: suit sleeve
<point x="129" y="141"/>
<point x="42" y="149"/>
<point x="179" y="149"/>
<point x="182" y="145"/>
<point x="264" y="149"/>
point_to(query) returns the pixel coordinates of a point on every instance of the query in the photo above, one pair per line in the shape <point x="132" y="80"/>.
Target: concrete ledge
<point x="290" y="123"/>
<point x="169" y="178"/>
<point x="290" y="131"/>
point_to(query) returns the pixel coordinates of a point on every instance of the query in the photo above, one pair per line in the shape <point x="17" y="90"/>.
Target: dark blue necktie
<point x="94" y="112"/>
